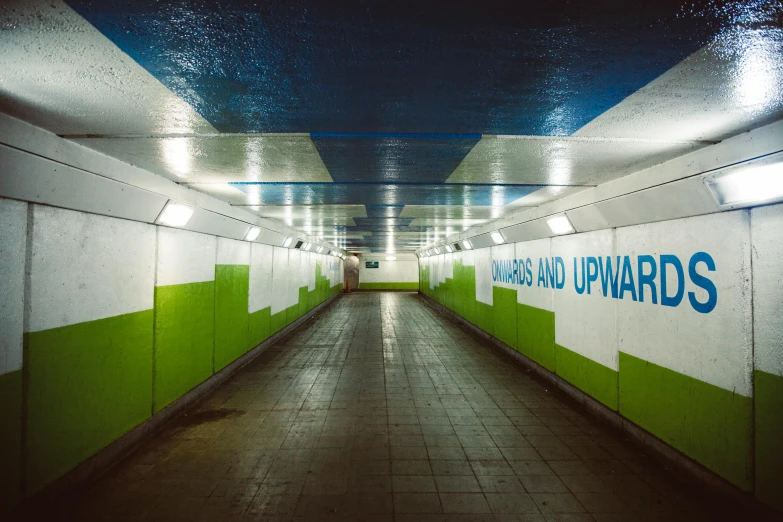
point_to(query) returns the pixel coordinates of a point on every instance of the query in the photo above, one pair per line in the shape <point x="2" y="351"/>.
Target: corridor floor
<point x="382" y="409"/>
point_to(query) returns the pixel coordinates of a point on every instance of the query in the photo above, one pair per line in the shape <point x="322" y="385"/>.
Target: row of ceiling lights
<point x="744" y="186"/>
<point x="177" y="215"/>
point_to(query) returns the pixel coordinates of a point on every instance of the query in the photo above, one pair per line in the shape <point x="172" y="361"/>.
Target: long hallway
<point x="381" y="409"/>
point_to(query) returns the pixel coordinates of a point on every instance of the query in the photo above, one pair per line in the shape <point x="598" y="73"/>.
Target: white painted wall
<point x="483" y="260"/>
<point x="260" y="284"/>
<point x="279" y="284"/>
<point x="86" y="267"/>
<point x="713" y="347"/>
<point x="767" y="234"/>
<point x="404" y="269"/>
<point x="232" y="252"/>
<point x="585" y="324"/>
<point x="13" y="243"/>
<point x="530" y="293"/>
<point x="185" y="257"/>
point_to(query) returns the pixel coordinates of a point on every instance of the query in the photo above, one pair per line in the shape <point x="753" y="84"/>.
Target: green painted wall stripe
<point x="184" y="338"/>
<point x="769" y="438"/>
<point x="505" y="312"/>
<point x="388" y="286"/>
<point x="87" y="385"/>
<point x="278" y="321"/>
<point x="259" y="327"/>
<point x="231" y="316"/>
<point x="536" y="335"/>
<point x="593" y="378"/>
<point x="712" y="425"/>
<point x="10" y="439"/>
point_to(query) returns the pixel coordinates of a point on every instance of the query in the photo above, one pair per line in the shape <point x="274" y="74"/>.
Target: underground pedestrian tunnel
<point x="391" y="261"/>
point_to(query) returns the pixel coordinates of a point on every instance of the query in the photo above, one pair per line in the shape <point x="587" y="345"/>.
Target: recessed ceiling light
<point x="252" y="234"/>
<point x="449" y="249"/>
<point x="391" y="258"/>
<point x="466" y="244"/>
<point x="175" y="214"/>
<point x="560" y="225"/>
<point x="318" y="250"/>
<point x="306" y="247"/>
<point x="756" y="184"/>
<point x="287" y="242"/>
<point x="437" y="250"/>
<point x="497" y="237"/>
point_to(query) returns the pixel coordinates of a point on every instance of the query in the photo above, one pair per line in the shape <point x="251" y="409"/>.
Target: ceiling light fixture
<point x="174" y="214"/>
<point x="560" y="225"/>
<point x="466" y="244"/>
<point x="252" y="234"/>
<point x="449" y="249"/>
<point x="391" y="258"/>
<point x="756" y="184"/>
<point x="497" y="237"/>
<point x="287" y="242"/>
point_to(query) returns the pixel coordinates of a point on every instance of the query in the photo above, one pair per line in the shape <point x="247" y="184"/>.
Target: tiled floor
<point x="380" y="409"/>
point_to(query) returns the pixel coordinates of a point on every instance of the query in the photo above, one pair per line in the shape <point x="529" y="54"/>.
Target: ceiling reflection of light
<point x="177" y="155"/>
<point x="758" y="79"/>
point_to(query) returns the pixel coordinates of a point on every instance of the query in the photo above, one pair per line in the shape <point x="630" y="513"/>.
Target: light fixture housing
<point x="391" y="258"/>
<point x="560" y="225"/>
<point x="746" y="185"/>
<point x="306" y="247"/>
<point x="287" y="242"/>
<point x="466" y="244"/>
<point x="174" y="214"/>
<point x="497" y="237"/>
<point x="437" y="250"/>
<point x="449" y="249"/>
<point x="318" y="250"/>
<point x="252" y="234"/>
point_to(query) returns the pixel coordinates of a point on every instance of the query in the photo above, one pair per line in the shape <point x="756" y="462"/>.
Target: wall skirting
<point x="659" y="449"/>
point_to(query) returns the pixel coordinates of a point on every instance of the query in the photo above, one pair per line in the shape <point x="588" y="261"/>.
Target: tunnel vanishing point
<point x="391" y="261"/>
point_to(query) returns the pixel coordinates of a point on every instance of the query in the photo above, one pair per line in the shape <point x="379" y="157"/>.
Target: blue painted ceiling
<point x="395" y="94"/>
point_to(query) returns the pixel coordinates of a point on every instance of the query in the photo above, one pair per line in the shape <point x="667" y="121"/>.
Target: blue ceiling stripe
<point x="406" y="67"/>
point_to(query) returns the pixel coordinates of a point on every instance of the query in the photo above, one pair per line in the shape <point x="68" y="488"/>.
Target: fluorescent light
<point x="287" y="242"/>
<point x="306" y="247"/>
<point x="560" y="225"/>
<point x="497" y="237"/>
<point x="252" y="234"/>
<point x="449" y="249"/>
<point x="318" y="250"/>
<point x="175" y="214"/>
<point x="391" y="258"/>
<point x="436" y="250"/>
<point x="466" y="244"/>
<point x="748" y="185"/>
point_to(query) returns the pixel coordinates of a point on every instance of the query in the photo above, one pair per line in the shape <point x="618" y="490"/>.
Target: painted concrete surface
<point x="306" y="117"/>
<point x="656" y="325"/>
<point x="88" y="267"/>
<point x="185" y="257"/>
<point x="714" y="347"/>
<point x="13" y="241"/>
<point x="401" y="273"/>
<point x="96" y="365"/>
<point x="63" y="75"/>
<point x="768" y="352"/>
<point x="89" y="338"/>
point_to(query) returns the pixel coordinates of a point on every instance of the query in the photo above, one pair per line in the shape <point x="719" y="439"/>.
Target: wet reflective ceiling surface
<point x="386" y="125"/>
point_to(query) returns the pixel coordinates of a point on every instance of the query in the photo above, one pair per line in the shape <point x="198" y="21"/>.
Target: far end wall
<point x="399" y="274"/>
